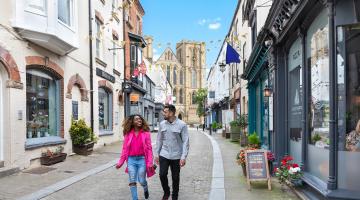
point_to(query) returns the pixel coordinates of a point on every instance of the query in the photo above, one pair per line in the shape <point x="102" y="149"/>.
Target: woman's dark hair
<point x="128" y="124"/>
<point x="170" y="107"/>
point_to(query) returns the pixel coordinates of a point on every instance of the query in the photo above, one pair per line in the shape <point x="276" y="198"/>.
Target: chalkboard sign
<point x="257" y="167"/>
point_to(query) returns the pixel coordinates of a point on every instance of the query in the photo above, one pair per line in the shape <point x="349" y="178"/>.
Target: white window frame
<point x="99" y="48"/>
<point x="30" y="6"/>
<point x="72" y="14"/>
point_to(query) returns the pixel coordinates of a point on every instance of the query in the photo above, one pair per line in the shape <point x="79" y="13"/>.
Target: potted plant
<point x="254" y="140"/>
<point x="271" y="159"/>
<point x="219" y="128"/>
<point x="240" y="159"/>
<point x="289" y="172"/>
<point x="82" y="137"/>
<point x="214" y="126"/>
<point x="235" y="130"/>
<point x="243" y="123"/>
<point x="51" y="157"/>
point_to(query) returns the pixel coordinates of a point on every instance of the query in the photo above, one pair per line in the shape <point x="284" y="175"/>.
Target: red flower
<point x="289" y="158"/>
<point x="295" y="165"/>
<point x="275" y="169"/>
<point x="283" y="162"/>
<point x="288" y="167"/>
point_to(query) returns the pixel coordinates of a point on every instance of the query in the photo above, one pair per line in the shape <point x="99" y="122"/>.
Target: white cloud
<point x="202" y="22"/>
<point x="155" y="50"/>
<point x="214" y="26"/>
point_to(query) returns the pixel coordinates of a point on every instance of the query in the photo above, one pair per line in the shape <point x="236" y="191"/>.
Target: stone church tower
<point x="185" y="71"/>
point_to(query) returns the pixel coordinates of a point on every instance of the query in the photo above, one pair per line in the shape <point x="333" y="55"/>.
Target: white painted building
<point x="45" y="75"/>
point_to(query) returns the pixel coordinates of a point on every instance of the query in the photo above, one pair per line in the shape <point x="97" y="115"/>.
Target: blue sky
<point x="170" y="21"/>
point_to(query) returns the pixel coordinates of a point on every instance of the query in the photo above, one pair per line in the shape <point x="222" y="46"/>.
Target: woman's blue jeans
<point x="137" y="173"/>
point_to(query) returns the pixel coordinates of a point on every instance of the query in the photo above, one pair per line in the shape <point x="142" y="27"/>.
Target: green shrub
<point x="214" y="125"/>
<point x="80" y="133"/>
<point x="254" y="139"/>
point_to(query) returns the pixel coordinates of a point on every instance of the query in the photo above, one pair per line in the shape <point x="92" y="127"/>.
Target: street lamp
<point x="222" y="67"/>
<point x="127" y="89"/>
<point x="267" y="91"/>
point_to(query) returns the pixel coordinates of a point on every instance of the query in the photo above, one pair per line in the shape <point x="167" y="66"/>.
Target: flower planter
<point x="50" y="160"/>
<point x="235" y="133"/>
<point x="84" y="150"/>
<point x="296" y="182"/>
<point x="243" y="140"/>
<point x="243" y="166"/>
<point x="271" y="168"/>
<point x="227" y="135"/>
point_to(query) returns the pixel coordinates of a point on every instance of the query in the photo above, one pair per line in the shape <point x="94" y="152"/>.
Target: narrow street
<point x="109" y="183"/>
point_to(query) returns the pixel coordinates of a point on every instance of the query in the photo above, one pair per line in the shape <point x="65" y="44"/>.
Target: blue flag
<point x="232" y="55"/>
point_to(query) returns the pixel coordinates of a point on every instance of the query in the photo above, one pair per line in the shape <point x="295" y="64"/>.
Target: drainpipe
<point x="332" y="182"/>
<point x="91" y="69"/>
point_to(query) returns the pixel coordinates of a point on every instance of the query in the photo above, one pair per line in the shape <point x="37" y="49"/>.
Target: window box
<point x="50" y="160"/>
<point x="84" y="149"/>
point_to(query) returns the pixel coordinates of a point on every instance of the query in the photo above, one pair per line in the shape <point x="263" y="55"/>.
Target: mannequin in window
<point x="353" y="139"/>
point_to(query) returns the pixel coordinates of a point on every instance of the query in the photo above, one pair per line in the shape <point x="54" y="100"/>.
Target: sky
<point x="170" y="21"/>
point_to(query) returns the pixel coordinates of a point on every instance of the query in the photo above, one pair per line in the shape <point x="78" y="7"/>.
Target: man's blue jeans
<point x="137" y="172"/>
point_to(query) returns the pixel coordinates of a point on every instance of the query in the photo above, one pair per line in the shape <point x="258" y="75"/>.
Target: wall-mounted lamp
<point x="267" y="91"/>
<point x="222" y="66"/>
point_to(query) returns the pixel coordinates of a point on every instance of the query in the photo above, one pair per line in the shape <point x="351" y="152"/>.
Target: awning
<point x="137" y="38"/>
<point x="256" y="62"/>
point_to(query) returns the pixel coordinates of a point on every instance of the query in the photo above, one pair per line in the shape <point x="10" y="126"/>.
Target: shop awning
<point x="256" y="62"/>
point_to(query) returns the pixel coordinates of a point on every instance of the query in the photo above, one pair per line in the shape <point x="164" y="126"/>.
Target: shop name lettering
<point x="105" y="75"/>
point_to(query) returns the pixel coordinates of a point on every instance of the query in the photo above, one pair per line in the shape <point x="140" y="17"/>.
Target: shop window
<point x="295" y="99"/>
<point x="42" y="105"/>
<point x="105" y="109"/>
<point x="317" y="54"/>
<point x="348" y="83"/>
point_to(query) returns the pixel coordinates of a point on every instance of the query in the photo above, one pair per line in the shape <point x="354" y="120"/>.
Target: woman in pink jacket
<point x="137" y="152"/>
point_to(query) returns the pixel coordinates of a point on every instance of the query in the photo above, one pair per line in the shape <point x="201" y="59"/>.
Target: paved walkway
<point x="211" y="173"/>
<point x="235" y="182"/>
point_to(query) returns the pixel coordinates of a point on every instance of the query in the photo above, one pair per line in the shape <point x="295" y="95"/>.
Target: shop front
<point x="257" y="75"/>
<point x="317" y="111"/>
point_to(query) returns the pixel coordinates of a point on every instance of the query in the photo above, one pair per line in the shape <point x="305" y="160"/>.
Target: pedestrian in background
<point x="137" y="152"/>
<point x="172" y="147"/>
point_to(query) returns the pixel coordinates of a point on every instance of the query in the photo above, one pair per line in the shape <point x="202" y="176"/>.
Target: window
<point x="174" y="95"/>
<point x="318" y="65"/>
<point x="168" y="72"/>
<point x="295" y="99"/>
<point x="193" y="97"/>
<point x="75" y="110"/>
<point x="181" y="100"/>
<point x="36" y="6"/>
<point x="174" y="75"/>
<point x="193" y="79"/>
<point x="181" y="77"/>
<point x="99" y="45"/>
<point x="348" y="83"/>
<point x="115" y="56"/>
<point x="42" y="104"/>
<point x="65" y="11"/>
<point x="133" y="58"/>
<point x="105" y="109"/>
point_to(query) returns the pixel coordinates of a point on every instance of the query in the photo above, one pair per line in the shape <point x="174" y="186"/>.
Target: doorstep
<point x="7" y="171"/>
